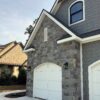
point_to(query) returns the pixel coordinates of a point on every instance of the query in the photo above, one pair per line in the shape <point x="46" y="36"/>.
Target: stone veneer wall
<point x="50" y="51"/>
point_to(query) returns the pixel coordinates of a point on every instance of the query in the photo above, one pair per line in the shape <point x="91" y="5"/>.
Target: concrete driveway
<point x="2" y="96"/>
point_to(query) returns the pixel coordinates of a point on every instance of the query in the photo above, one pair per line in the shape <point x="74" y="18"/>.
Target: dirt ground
<point x="12" y="88"/>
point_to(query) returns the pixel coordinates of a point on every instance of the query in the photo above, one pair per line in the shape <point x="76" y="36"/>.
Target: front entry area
<point x="47" y="83"/>
<point x="94" y="81"/>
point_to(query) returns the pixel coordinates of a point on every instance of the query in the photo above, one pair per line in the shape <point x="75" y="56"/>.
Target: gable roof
<point x="1" y="48"/>
<point x="12" y="54"/>
<point x="7" y="47"/>
<point x="38" y="24"/>
<point x="82" y="38"/>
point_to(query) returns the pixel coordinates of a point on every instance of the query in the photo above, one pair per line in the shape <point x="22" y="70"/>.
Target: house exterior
<point x="64" y="52"/>
<point x="12" y="58"/>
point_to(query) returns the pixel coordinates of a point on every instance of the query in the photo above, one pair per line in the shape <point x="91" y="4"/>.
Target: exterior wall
<point x="6" y="69"/>
<point x="91" y="53"/>
<point x="50" y="51"/>
<point x="92" y="14"/>
<point x="15" y="71"/>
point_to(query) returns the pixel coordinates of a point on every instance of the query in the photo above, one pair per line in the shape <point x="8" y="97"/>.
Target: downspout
<point x="81" y="66"/>
<point x="29" y="50"/>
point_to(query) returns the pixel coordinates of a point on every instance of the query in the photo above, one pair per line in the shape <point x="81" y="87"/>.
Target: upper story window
<point x="76" y="12"/>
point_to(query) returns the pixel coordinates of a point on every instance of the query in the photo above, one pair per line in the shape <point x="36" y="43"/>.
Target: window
<point x="45" y="34"/>
<point x="76" y="12"/>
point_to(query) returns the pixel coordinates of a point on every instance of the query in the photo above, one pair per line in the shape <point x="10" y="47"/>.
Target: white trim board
<point x="81" y="40"/>
<point x="91" y="39"/>
<point x="42" y="16"/>
<point x="90" y="77"/>
<point x="81" y="69"/>
<point x="56" y="7"/>
<point x="29" y="50"/>
<point x="67" y="40"/>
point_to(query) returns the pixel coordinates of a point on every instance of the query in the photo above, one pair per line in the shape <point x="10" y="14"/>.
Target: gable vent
<point x="45" y="34"/>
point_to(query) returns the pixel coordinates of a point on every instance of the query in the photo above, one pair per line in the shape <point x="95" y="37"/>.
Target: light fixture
<point x="66" y="65"/>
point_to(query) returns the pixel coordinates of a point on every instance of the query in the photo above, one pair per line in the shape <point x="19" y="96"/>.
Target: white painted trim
<point x="90" y="85"/>
<point x="83" y="13"/>
<point x="43" y="14"/>
<point x="81" y="61"/>
<point x="94" y="64"/>
<point x="91" y="39"/>
<point x="29" y="50"/>
<point x="89" y="79"/>
<point x="66" y="40"/>
<point x="55" y="7"/>
<point x="46" y="64"/>
<point x="61" y="25"/>
<point x="35" y="30"/>
<point x="81" y="40"/>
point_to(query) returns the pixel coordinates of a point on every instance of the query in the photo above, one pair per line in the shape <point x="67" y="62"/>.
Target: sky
<point x="17" y="15"/>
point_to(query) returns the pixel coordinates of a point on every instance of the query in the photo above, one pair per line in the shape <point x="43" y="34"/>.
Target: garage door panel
<point x="96" y="68"/>
<point x="94" y="80"/>
<point x="41" y="76"/>
<point x="96" y="75"/>
<point x="40" y="93"/>
<point x="96" y="97"/>
<point x="54" y="85"/>
<point x="54" y="76"/>
<point x="40" y="84"/>
<point x="48" y="82"/>
<point x="52" y="95"/>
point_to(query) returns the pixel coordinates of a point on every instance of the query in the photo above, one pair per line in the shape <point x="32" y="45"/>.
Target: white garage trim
<point x="47" y="83"/>
<point x="90" y="78"/>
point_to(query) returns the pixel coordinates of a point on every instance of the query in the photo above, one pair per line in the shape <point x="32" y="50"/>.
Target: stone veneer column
<point x="71" y="82"/>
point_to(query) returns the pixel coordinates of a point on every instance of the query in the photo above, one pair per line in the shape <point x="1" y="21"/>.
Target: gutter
<point x="81" y="40"/>
<point x="29" y="50"/>
<point x="68" y="39"/>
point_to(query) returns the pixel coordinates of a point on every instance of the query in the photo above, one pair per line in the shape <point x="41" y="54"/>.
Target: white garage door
<point x="94" y="82"/>
<point x="48" y="82"/>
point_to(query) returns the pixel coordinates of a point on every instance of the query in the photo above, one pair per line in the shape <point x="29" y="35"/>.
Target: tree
<point x="30" y="28"/>
<point x="22" y="76"/>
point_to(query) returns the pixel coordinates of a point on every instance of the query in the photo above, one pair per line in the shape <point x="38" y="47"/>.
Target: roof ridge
<point x="21" y="44"/>
<point x="11" y="42"/>
<point x="7" y="46"/>
<point x="7" y="51"/>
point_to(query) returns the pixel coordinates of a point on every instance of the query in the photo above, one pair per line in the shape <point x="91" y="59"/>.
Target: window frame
<point x="69" y="13"/>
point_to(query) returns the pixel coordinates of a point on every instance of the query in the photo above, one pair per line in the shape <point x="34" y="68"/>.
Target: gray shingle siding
<point x="92" y="14"/>
<point x="91" y="53"/>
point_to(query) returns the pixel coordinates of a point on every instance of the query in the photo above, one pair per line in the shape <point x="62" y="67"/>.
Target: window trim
<point x="70" y="16"/>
